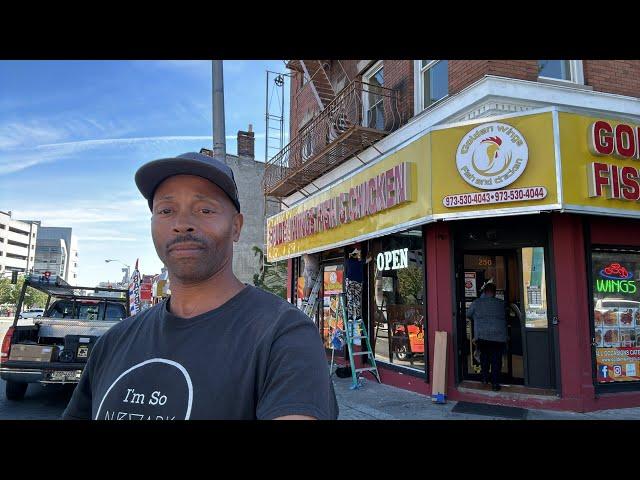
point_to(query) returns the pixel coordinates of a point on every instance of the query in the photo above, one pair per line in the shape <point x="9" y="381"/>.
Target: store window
<point x="332" y="288"/>
<point x="616" y="314"/>
<point x="535" y="284"/>
<point x="373" y="100"/>
<point x="567" y="70"/>
<point x="397" y="319"/>
<point x="432" y="81"/>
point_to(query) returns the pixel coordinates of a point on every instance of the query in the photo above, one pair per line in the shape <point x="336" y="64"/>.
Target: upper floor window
<point x="432" y="82"/>
<point x="564" y="70"/>
<point x="373" y="98"/>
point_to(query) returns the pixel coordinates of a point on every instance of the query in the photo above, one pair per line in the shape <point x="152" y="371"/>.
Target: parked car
<point x="32" y="313"/>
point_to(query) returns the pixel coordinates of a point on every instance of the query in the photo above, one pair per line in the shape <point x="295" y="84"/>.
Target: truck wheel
<point x="16" y="390"/>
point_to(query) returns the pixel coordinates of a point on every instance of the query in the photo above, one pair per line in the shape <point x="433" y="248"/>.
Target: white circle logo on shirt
<point x="156" y="389"/>
<point x="492" y="156"/>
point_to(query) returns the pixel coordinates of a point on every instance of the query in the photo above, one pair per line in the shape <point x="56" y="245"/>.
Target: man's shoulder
<point x="263" y="299"/>
<point x="489" y="300"/>
<point x="269" y="306"/>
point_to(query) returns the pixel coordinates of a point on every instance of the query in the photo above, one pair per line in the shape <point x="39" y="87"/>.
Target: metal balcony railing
<point x="358" y="117"/>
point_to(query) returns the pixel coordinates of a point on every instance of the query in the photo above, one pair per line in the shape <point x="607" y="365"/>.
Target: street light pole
<point x="126" y="270"/>
<point x="219" y="144"/>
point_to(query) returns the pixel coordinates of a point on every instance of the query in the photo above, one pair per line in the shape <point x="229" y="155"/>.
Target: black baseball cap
<point x="153" y="173"/>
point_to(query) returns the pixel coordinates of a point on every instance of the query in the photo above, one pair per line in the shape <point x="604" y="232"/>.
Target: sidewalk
<point x="374" y="401"/>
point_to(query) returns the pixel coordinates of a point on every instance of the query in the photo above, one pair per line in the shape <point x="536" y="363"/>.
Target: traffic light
<point x="14" y="277"/>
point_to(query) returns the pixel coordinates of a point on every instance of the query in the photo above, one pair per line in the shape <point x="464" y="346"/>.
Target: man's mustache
<point x="186" y="238"/>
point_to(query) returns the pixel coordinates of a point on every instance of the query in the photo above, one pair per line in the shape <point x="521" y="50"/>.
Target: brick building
<point x="412" y="183"/>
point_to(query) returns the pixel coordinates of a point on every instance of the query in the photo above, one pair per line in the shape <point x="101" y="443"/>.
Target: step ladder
<point x="309" y="307"/>
<point x="356" y="330"/>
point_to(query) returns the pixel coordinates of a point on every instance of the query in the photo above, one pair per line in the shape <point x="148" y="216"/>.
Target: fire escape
<point x="349" y="122"/>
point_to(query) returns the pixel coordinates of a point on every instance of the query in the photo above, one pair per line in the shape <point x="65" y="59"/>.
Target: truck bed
<point x="60" y="327"/>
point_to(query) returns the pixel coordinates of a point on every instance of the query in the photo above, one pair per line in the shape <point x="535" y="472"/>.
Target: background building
<point x="562" y="242"/>
<point x="248" y="174"/>
<point x="58" y="246"/>
<point x="17" y="244"/>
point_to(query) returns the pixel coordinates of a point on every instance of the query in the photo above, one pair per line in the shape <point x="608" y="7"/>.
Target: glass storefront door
<point x="519" y="276"/>
<point x="480" y="268"/>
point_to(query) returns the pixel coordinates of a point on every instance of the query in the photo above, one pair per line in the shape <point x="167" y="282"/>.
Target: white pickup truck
<point x="54" y="348"/>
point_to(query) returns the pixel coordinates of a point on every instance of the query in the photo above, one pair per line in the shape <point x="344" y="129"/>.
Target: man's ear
<point x="238" y="221"/>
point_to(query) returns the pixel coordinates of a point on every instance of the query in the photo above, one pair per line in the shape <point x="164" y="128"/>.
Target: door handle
<point x="554" y="320"/>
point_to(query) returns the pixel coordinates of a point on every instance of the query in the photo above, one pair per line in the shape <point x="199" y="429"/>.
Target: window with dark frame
<point x="616" y="314"/>
<point x="434" y="75"/>
<point x="558" y="69"/>
<point x="397" y="298"/>
<point x="375" y="105"/>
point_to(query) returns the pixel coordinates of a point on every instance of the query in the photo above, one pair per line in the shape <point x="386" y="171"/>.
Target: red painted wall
<point x="617" y="231"/>
<point x="573" y="315"/>
<point x="440" y="315"/>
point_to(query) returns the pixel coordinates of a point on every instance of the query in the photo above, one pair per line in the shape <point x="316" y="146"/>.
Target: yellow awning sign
<point x="547" y="159"/>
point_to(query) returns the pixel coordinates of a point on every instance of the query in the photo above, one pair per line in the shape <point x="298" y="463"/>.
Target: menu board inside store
<point x="616" y="301"/>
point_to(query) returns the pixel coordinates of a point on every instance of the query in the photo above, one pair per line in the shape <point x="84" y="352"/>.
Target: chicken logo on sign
<point x="492" y="156"/>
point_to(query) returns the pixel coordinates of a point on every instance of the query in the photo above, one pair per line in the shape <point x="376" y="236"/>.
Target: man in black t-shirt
<point x="216" y="349"/>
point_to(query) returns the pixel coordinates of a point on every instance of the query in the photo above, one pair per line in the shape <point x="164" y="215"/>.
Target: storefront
<point x="545" y="204"/>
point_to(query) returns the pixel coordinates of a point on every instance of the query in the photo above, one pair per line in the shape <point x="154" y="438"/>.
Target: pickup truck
<point x="54" y="348"/>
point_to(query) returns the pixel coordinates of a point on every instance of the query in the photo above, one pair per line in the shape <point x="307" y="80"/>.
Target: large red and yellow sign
<point x="549" y="160"/>
<point x="600" y="165"/>
<point x="393" y="191"/>
<point x="481" y="169"/>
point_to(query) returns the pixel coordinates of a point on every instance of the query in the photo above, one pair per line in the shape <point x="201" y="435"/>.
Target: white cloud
<point x="84" y="144"/>
<point x="52" y="152"/>
<point x="14" y="135"/>
<point x="97" y="211"/>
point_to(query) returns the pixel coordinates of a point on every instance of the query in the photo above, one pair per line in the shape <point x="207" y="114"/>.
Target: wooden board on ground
<point x="439" y="368"/>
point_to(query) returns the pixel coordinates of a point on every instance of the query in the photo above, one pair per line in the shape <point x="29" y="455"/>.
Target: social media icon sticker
<point x="617" y="370"/>
<point x="630" y="368"/>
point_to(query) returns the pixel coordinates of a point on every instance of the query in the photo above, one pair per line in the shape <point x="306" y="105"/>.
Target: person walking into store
<point x="215" y="348"/>
<point x="490" y="332"/>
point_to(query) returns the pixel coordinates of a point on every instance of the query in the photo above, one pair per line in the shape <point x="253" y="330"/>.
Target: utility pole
<point x="219" y="144"/>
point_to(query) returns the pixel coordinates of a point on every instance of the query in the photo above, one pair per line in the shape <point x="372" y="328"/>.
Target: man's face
<point x="194" y="225"/>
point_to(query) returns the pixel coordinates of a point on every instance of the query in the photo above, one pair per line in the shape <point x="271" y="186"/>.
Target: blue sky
<point x="73" y="133"/>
